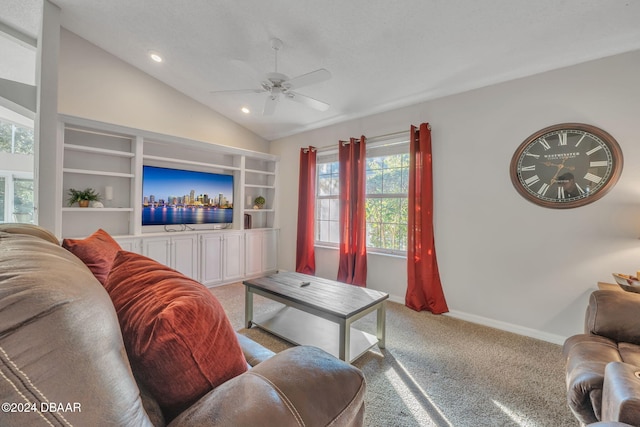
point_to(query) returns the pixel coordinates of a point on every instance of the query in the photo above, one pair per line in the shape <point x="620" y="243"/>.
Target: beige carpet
<point x="441" y="371"/>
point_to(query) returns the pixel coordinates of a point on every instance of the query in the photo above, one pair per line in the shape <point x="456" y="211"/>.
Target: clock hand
<point x="551" y="164"/>
<point x="560" y="167"/>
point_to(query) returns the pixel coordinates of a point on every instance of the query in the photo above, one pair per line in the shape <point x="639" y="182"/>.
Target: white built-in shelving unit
<point x="100" y="155"/>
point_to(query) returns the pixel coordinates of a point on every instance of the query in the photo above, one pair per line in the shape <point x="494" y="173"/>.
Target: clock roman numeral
<point x="532" y="180"/>
<point x="528" y="168"/>
<point x="562" y="139"/>
<point x="560" y="192"/>
<point x="580" y="140"/>
<point x="545" y="144"/>
<point x="593" y="150"/>
<point x="598" y="164"/>
<point x="543" y="189"/>
<point x="593" y="178"/>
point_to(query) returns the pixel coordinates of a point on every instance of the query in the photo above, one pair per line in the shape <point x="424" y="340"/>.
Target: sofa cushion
<point x="610" y="314"/>
<point x="180" y="343"/>
<point x="96" y="251"/>
<point x="29" y="229"/>
<point x="60" y="341"/>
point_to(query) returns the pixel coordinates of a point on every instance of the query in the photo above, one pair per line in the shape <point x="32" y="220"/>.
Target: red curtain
<point x="424" y="289"/>
<point x="353" y="248"/>
<point x="305" y="252"/>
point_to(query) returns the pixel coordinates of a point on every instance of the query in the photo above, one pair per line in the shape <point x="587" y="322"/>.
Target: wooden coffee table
<point x="318" y="314"/>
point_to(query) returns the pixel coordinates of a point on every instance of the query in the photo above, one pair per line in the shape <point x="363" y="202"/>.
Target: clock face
<point x="566" y="165"/>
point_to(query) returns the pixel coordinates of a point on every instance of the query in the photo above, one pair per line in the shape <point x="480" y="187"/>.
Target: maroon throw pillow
<point x="96" y="251"/>
<point x="179" y="340"/>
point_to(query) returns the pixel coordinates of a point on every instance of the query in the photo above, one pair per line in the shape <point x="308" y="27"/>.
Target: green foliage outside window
<point x="23" y="196"/>
<point x="15" y="139"/>
<point x="386" y="204"/>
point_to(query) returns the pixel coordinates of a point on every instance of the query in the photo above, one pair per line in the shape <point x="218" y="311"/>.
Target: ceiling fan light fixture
<point x="279" y="86"/>
<point x="245" y="110"/>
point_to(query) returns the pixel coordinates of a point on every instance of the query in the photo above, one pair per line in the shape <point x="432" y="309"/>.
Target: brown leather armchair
<point x="63" y="361"/>
<point x="602" y="384"/>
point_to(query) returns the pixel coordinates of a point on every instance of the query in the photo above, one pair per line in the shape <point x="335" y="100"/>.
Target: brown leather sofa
<point x="603" y="364"/>
<point x="63" y="361"/>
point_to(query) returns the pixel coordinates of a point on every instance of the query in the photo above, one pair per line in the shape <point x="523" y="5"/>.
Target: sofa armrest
<point x="621" y="393"/>
<point x="254" y="353"/>
<point x="298" y="386"/>
<point x="615" y="315"/>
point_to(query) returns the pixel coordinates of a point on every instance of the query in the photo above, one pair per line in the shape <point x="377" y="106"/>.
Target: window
<point x="327" y="203"/>
<point x="23" y="200"/>
<point x="387" y="203"/>
<point x="15" y="138"/>
<point x="16" y="129"/>
<point x="387" y="175"/>
<point x="16" y="171"/>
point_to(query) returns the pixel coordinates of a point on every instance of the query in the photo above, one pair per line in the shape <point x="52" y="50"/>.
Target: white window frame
<point x="380" y="148"/>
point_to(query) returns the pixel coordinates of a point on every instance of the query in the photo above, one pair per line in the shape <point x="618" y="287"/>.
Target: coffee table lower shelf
<point x="301" y="328"/>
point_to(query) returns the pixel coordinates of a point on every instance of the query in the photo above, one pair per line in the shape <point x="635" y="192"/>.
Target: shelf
<point x="72" y="209"/>
<point x="249" y="210"/>
<point x="301" y="328"/>
<point x="260" y="186"/>
<point x="99" y="173"/>
<point x="96" y="132"/>
<point x="259" y="172"/>
<point x="101" y="155"/>
<point x="189" y="162"/>
<point x="94" y="150"/>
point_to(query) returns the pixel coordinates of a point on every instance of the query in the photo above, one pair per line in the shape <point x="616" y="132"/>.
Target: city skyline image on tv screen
<point x="179" y="196"/>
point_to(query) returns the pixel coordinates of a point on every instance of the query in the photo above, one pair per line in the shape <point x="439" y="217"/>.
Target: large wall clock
<point x="566" y="165"/>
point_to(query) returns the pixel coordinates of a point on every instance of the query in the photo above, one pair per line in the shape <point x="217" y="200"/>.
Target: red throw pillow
<point x="96" y="251"/>
<point x="179" y="340"/>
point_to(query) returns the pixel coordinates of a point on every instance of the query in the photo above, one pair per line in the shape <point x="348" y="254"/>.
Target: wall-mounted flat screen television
<point x="179" y="196"/>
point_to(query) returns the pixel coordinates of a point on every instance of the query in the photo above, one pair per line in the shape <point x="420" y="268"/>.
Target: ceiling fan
<point x="278" y="85"/>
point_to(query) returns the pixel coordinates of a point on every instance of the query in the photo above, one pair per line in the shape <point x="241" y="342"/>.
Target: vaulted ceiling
<point x="381" y="54"/>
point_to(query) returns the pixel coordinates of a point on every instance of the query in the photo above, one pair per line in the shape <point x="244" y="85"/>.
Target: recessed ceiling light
<point x="155" y="56"/>
<point x="245" y="110"/>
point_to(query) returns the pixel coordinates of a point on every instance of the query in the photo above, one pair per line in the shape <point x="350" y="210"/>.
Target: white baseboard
<point x="497" y="324"/>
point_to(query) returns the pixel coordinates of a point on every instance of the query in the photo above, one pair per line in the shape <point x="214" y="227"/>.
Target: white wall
<point x="504" y="261"/>
<point x="96" y="85"/>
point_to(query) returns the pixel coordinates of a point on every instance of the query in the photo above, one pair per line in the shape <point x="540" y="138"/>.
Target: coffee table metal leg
<point x="381" y="330"/>
<point x="248" y="306"/>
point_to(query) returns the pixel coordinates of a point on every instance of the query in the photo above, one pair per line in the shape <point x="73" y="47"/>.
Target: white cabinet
<point x="221" y="257"/>
<point x="261" y="252"/>
<point x="131" y="244"/>
<point x="233" y="259"/>
<point x="211" y="258"/>
<point x="254" y="253"/>
<point x="177" y="252"/>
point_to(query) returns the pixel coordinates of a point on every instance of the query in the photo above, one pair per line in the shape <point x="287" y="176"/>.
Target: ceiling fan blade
<point x="308" y="101"/>
<point x="238" y="91"/>
<point x="311" y="78"/>
<point x="270" y="105"/>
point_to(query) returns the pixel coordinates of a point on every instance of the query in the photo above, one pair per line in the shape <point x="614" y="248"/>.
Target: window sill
<point x="369" y="251"/>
